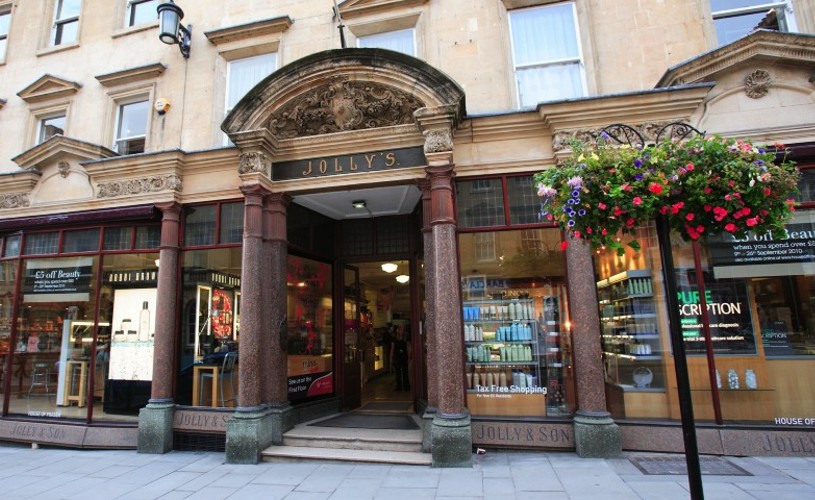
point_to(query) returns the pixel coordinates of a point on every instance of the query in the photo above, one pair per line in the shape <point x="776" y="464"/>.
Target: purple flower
<point x="638" y="177"/>
<point x="571" y="223"/>
<point x="575" y="182"/>
<point x="581" y="212"/>
<point x="604" y="135"/>
<point x="575" y="193"/>
<point x="638" y="163"/>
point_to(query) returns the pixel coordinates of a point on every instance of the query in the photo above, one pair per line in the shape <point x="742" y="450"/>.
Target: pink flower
<point x="752" y="221"/>
<point x="637" y="201"/>
<point x="689" y="167"/>
<point x="604" y="232"/>
<point x="601" y="206"/>
<point x="676" y="207"/>
<point x="564" y="245"/>
<point x="730" y="227"/>
<point x="719" y="213"/>
<point x="689" y="217"/>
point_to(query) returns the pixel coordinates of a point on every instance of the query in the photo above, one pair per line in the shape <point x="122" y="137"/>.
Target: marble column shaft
<point x="161" y="389"/>
<point x="429" y="276"/>
<point x="449" y="358"/>
<point x="252" y="316"/>
<point x="277" y="263"/>
<point x="585" y="318"/>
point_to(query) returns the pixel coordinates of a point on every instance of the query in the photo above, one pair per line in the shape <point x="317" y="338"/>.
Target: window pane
<point x="730" y="29"/>
<point x="50" y="127"/>
<point x="399" y="41"/>
<point x="717" y="5"/>
<point x="12" y="246"/>
<point x="199" y="226"/>
<point x="245" y="74"/>
<point x="549" y="83"/>
<point x="524" y="203"/>
<point x="480" y="203"/>
<point x="86" y="240"/>
<point x="118" y="238"/>
<point x="148" y="237"/>
<point x="132" y="119"/>
<point x="2" y="48"/>
<point x="544" y="34"/>
<point x="143" y="12"/>
<point x="68" y="8"/>
<point x="232" y="222"/>
<point x="66" y="32"/>
<point x="41" y="243"/>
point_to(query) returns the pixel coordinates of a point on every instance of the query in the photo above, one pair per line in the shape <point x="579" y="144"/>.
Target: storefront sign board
<point x="357" y="163"/>
<point x="731" y="324"/>
<point x="57" y="280"/>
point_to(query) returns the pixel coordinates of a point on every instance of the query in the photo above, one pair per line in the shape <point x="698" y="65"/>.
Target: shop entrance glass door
<point x="352" y="376"/>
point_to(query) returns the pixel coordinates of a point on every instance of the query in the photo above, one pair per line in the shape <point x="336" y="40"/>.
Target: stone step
<point x="296" y="453"/>
<point x="361" y="439"/>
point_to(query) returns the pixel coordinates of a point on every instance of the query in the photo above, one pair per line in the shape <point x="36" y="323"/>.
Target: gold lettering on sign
<point x="353" y="166"/>
<point x="323" y="166"/>
<point x="390" y="160"/>
<point x="307" y="172"/>
<point x="370" y="159"/>
<point x="337" y="167"/>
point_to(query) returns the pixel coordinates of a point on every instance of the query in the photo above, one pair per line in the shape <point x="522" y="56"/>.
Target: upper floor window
<point x="66" y="21"/>
<point x="243" y="74"/>
<point x="131" y="127"/>
<point x="737" y="18"/>
<point x="546" y="53"/>
<point x="400" y="41"/>
<point x="141" y="12"/>
<point x="49" y="127"/>
<point x="5" y="21"/>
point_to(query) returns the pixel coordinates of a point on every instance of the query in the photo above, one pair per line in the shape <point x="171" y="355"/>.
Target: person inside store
<point x="399" y="358"/>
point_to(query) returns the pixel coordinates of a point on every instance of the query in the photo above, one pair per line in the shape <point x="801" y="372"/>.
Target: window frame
<point x="506" y="223"/>
<point x="228" y="81"/>
<point x="5" y="10"/>
<point x="412" y="31"/>
<point x="41" y="125"/>
<point x="132" y="9"/>
<point x="579" y="61"/>
<point x="117" y="137"/>
<point x="59" y="24"/>
<point x="766" y="6"/>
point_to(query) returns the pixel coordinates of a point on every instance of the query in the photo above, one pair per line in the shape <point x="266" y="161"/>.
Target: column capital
<point x="424" y="186"/>
<point x="254" y="193"/>
<point x="442" y="205"/>
<point x="252" y="162"/>
<point x="169" y="209"/>
<point x="275" y="210"/>
<point x="170" y="218"/>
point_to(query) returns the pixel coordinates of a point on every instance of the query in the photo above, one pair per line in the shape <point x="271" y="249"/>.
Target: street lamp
<point x="171" y="31"/>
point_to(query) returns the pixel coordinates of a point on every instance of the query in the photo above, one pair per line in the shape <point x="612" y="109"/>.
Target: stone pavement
<point x="91" y="474"/>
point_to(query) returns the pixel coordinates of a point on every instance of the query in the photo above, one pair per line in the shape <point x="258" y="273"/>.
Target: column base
<point x="156" y="427"/>
<point x="250" y="432"/>
<point x="452" y="441"/>
<point x="427" y="428"/>
<point x="596" y="435"/>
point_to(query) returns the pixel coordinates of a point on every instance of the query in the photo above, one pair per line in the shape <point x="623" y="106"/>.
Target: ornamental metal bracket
<point x="622" y="134"/>
<point x="679" y="131"/>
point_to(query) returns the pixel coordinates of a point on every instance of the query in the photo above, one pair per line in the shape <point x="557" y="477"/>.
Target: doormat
<point x="387" y="406"/>
<point x="674" y="466"/>
<point x="356" y="421"/>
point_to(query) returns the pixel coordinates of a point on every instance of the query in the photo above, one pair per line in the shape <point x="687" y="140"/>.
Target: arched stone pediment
<point x="342" y="90"/>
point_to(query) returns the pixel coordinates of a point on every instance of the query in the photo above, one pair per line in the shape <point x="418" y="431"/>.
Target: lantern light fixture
<point x="389" y="267"/>
<point x="403" y="278"/>
<point x="171" y="31"/>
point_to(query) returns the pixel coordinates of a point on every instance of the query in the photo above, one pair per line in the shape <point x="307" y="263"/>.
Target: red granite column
<point x="596" y="434"/>
<point x="156" y="419"/>
<point x="430" y="325"/>
<point x="252" y="315"/>
<point x="161" y="389"/>
<point x="277" y="394"/>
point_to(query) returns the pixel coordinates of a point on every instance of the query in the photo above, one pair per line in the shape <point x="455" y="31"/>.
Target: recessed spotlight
<point x="403" y="278"/>
<point x="358" y="204"/>
<point x="389" y="267"/>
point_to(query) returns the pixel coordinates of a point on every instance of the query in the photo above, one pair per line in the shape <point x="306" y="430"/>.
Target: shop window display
<point x="516" y="332"/>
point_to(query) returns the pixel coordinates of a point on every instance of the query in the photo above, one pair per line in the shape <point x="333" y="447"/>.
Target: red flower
<point x="676" y="207"/>
<point x="730" y="227"/>
<point x="564" y="245"/>
<point x="630" y="223"/>
<point x="626" y="187"/>
<point x="618" y="211"/>
<point x="577" y="234"/>
<point x="604" y="232"/>
<point x="708" y="190"/>
<point x="601" y="206"/>
<point x="707" y="208"/>
<point x="689" y="217"/>
<point x="700" y="229"/>
<point x="767" y="191"/>
<point x="637" y="201"/>
<point x="689" y="167"/>
<point x="655" y="188"/>
<point x="752" y="221"/>
<point x="719" y="213"/>
<point x="588" y="230"/>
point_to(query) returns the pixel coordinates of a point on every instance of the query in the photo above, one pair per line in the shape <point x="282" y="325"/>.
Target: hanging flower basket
<point x="703" y="186"/>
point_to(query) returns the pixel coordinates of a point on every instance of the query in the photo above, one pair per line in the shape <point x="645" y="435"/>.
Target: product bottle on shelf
<point x="144" y="323"/>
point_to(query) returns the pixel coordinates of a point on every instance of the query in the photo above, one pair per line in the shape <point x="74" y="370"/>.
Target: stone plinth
<point x="248" y="433"/>
<point x="156" y="427"/>
<point x="452" y="441"/>
<point x="596" y="435"/>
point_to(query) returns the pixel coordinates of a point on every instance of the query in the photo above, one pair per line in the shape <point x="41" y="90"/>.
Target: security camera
<point x="162" y="105"/>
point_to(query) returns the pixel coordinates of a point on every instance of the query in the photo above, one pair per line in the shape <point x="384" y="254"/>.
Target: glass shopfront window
<point x="8" y="276"/>
<point x="310" y="344"/>
<point x="210" y="325"/>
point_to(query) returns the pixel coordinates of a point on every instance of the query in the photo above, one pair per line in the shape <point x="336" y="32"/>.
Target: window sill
<point x="134" y="29"/>
<point x="57" y="48"/>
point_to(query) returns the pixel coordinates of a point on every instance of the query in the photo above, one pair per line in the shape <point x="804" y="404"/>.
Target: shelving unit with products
<point x="631" y="342"/>
<point x="513" y="356"/>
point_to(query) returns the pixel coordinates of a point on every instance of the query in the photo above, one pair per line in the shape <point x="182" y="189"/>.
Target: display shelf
<point x="631" y="341"/>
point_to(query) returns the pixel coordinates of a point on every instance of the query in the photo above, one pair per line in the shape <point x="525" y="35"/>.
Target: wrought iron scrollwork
<point x="622" y="134"/>
<point x="677" y="130"/>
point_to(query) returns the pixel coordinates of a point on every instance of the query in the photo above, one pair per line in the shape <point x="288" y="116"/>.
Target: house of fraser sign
<point x="356" y="163"/>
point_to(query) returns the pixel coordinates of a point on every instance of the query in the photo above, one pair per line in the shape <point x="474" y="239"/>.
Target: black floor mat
<point x="357" y="421"/>
<point x="714" y="466"/>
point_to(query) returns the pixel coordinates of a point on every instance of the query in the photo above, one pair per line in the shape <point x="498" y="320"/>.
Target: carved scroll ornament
<point x="14" y="200"/>
<point x="343" y="105"/>
<point x="125" y="187"/>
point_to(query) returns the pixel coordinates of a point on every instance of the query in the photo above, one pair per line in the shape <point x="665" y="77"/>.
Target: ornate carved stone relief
<point x="254" y="161"/>
<point x="64" y="168"/>
<point x="343" y="105"/>
<point x="14" y="200"/>
<point x="757" y="84"/>
<point x="124" y="187"/>
<point x="438" y="141"/>
<point x="561" y="140"/>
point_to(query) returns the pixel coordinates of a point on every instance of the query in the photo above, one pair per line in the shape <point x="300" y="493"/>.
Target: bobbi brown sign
<point x="357" y="163"/>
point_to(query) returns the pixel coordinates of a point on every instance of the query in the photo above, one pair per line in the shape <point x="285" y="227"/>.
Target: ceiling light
<point x="403" y="278"/>
<point x="389" y="267"/>
<point x="358" y="204"/>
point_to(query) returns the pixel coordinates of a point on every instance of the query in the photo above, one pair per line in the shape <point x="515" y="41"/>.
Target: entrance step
<point x="309" y="442"/>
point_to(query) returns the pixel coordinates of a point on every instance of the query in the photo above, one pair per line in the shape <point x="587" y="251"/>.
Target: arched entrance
<point x="339" y="121"/>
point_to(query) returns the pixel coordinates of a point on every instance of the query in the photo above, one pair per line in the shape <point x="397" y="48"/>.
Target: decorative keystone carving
<point x="343" y="105"/>
<point x="757" y="84"/>
<point x="14" y="200"/>
<point x="438" y="140"/>
<point x="64" y="168"/>
<point x="254" y="161"/>
<point x="125" y="187"/>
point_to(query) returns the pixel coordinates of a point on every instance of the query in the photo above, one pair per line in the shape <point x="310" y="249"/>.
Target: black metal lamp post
<point x="171" y="31"/>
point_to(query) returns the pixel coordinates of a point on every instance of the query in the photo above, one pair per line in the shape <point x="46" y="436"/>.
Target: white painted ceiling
<point x="381" y="201"/>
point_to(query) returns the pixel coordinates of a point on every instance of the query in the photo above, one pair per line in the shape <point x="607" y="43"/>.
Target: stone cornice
<point x="129" y="75"/>
<point x="509" y="126"/>
<point x="22" y="181"/>
<point x="59" y="146"/>
<point x="249" y="30"/>
<point x="48" y="87"/>
<point x="772" y="45"/>
<point x="355" y="8"/>
<point x="662" y="105"/>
